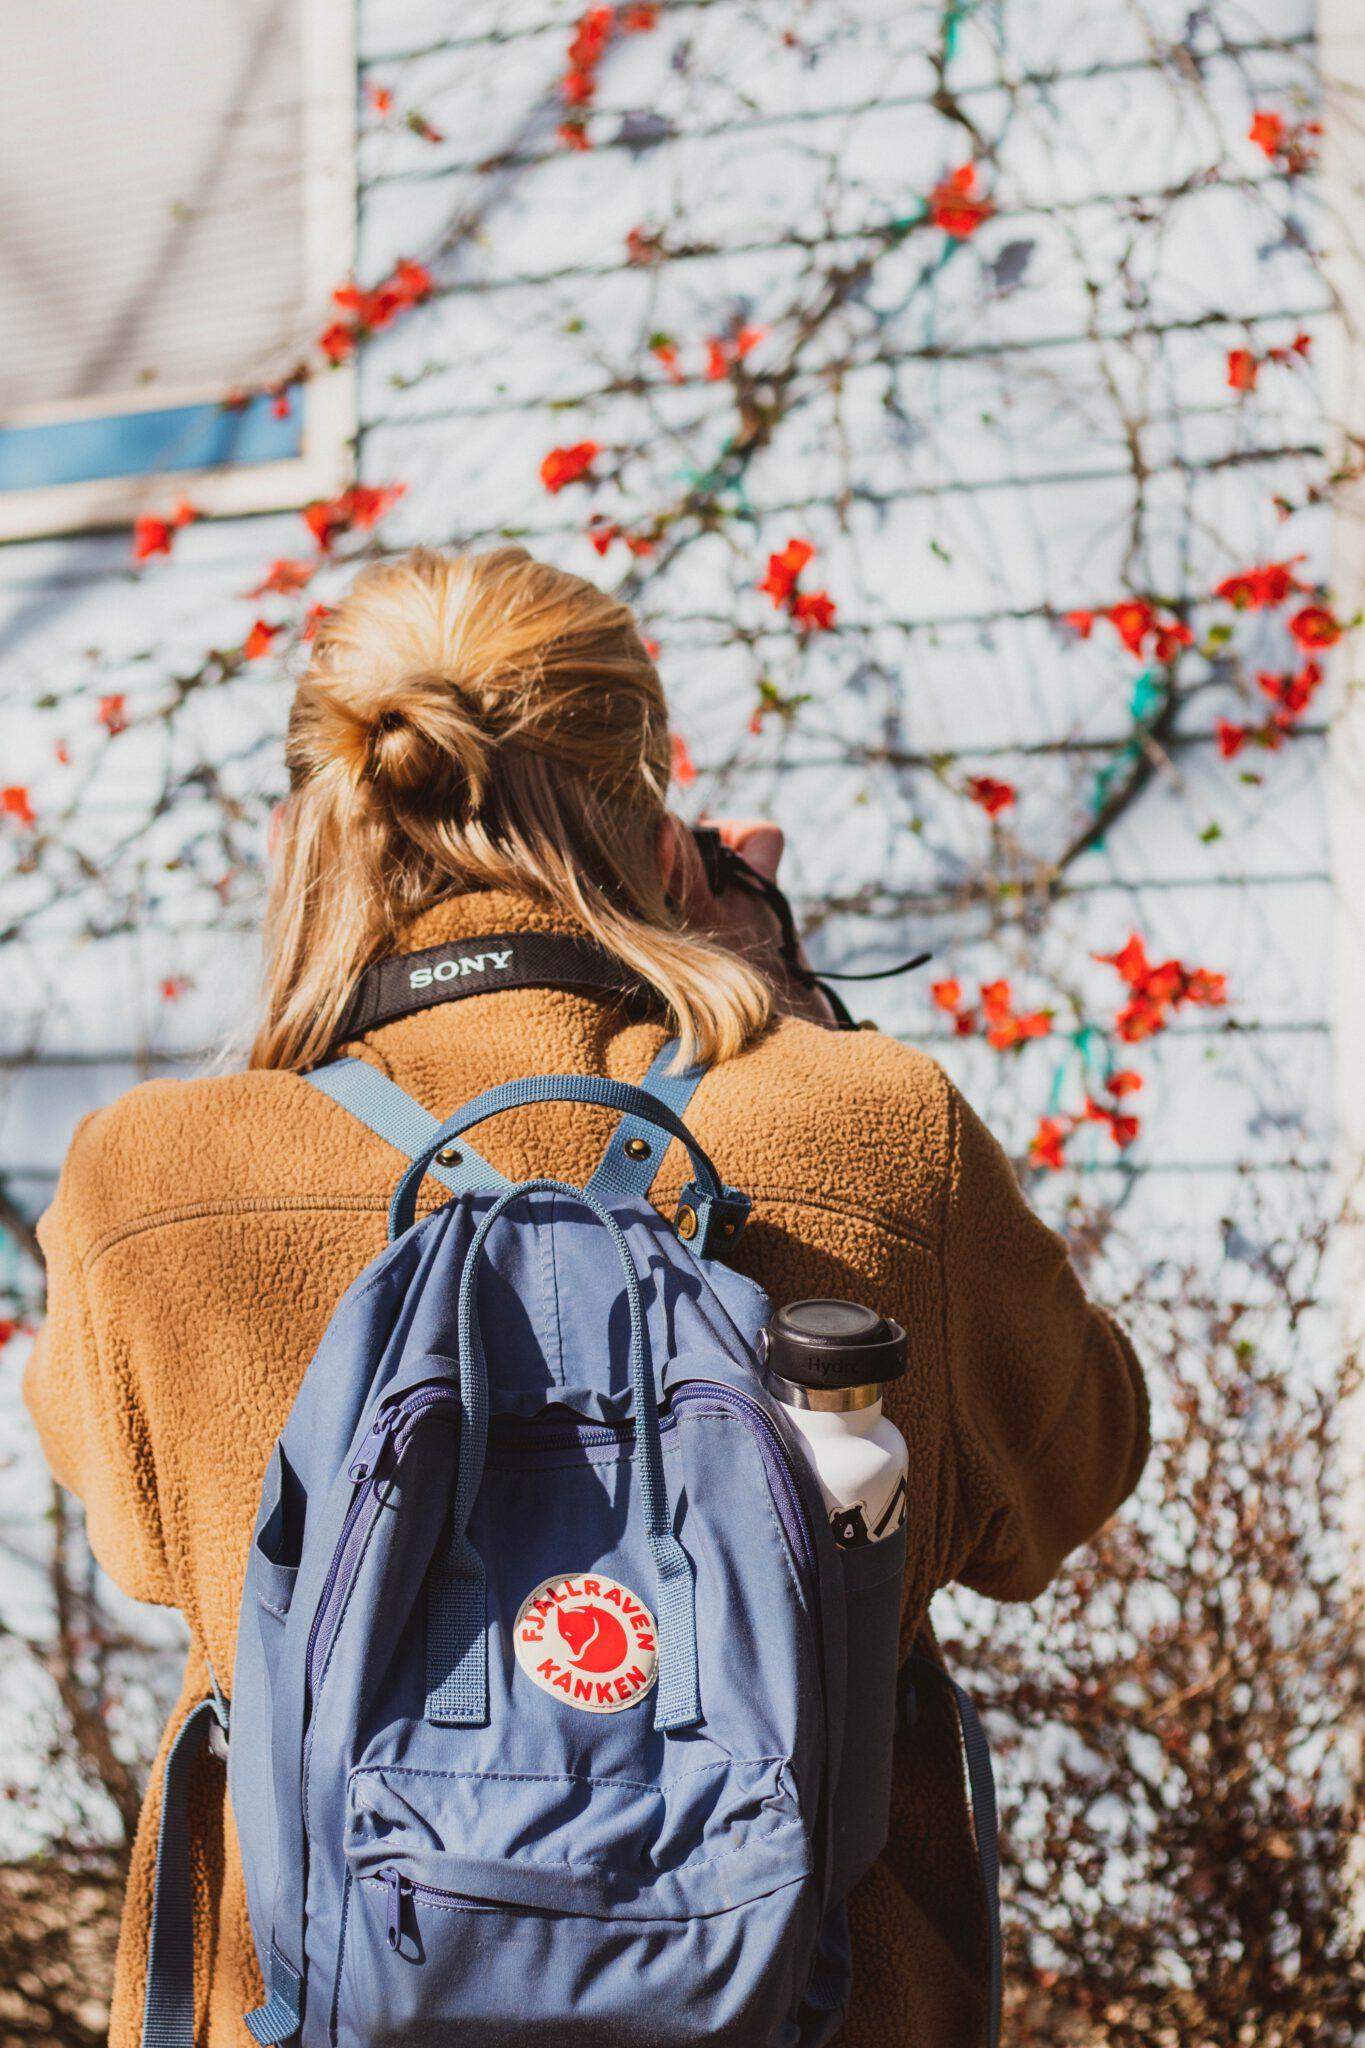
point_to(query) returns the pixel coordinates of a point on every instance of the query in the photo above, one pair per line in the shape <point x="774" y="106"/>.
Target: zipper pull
<point x="366" y="1460"/>
<point x="399" y="1888"/>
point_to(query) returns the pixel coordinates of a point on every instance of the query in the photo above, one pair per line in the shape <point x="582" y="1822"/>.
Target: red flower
<point x="337" y="341"/>
<point x="587" y="47"/>
<point x="811" y="610"/>
<point x="380" y="99"/>
<point x="814" y="610"/>
<point x="665" y="351"/>
<point x="947" y="995"/>
<point x="992" y="796"/>
<point x="1231" y="738"/>
<point x="173" y="987"/>
<point x="151" y="537"/>
<point x="1156" y="992"/>
<point x="412" y="282"/>
<point x="15" y="803"/>
<point x="359" y="508"/>
<point x="568" y="465"/>
<point x="1005" y="1027"/>
<point x="1125" y="1082"/>
<point x="1266" y="130"/>
<point x="717" y="362"/>
<point x="601" y="533"/>
<point x="313" y="618"/>
<point x="1168" y="638"/>
<point x="369" y="503"/>
<point x="1290" y="146"/>
<point x="1139" y="625"/>
<point x="956" y="206"/>
<point x="260" y="640"/>
<point x="1049" y="1141"/>
<point x="283" y="578"/>
<point x="112" y="713"/>
<point x="1292" y="694"/>
<point x="366" y="312"/>
<point x="783" y="570"/>
<point x="1315" y="626"/>
<point x="1132" y="620"/>
<point x="1123" y="1129"/>
<point x="683" y="768"/>
<point x="643" y="247"/>
<point x="1263" y="588"/>
<point x="723" y="351"/>
<point x="1243" y="369"/>
<point x="591" y="36"/>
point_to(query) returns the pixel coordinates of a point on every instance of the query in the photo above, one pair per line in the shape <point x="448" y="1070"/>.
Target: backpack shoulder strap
<point x="636" y="1148"/>
<point x="976" y="1755"/>
<point x="168" y="2006"/>
<point x="384" y="1108"/>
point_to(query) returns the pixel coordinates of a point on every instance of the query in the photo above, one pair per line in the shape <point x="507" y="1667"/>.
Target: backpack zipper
<point x="399" y="1887"/>
<point x="382" y="1447"/>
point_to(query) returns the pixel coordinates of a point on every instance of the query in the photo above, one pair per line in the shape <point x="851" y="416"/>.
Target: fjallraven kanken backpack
<point x="558" y="1717"/>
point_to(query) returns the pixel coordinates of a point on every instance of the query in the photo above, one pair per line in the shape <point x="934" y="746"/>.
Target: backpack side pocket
<point x="873" y="1578"/>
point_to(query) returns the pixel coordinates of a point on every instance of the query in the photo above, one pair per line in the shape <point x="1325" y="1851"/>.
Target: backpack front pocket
<point x="564" y="1908"/>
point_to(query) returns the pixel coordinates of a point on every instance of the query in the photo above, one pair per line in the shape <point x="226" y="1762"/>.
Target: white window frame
<point x="326" y="401"/>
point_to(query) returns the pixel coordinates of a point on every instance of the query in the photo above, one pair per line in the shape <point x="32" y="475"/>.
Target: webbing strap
<point x="635" y="1151"/>
<point x="168" y="2010"/>
<point x="976" y="1752"/>
<point x="457" y="1637"/>
<point x="618" y="1095"/>
<point x="383" y="1107"/>
<point x="278" y="2019"/>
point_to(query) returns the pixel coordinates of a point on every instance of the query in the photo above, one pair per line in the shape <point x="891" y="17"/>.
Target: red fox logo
<point x="596" y="1639"/>
<point x="588" y="1641"/>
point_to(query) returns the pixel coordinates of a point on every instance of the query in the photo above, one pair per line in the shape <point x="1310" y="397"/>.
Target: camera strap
<point x="726" y="869"/>
<point x="410" y="982"/>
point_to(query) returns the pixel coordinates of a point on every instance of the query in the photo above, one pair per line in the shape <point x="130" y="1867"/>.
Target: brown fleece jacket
<point x="203" y="1232"/>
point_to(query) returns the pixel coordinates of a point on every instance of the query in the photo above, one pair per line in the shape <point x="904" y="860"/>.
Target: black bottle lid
<point x="834" y="1344"/>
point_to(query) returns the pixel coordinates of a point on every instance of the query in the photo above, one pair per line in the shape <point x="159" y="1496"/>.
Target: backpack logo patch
<point x="588" y="1641"/>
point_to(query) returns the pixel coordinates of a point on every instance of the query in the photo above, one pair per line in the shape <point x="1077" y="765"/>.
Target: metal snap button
<point x="686" y="1223"/>
<point x="636" y="1148"/>
<point x="447" y="1156"/>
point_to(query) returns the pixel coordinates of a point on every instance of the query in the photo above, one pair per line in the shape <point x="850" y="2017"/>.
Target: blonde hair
<point x="482" y="721"/>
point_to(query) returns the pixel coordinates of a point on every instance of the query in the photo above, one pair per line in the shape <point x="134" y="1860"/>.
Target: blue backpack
<point x="558" y="1717"/>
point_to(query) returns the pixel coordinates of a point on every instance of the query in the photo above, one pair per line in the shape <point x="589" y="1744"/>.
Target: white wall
<point x="981" y="438"/>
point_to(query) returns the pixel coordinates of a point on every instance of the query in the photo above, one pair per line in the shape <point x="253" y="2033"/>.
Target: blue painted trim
<point x="149" y="443"/>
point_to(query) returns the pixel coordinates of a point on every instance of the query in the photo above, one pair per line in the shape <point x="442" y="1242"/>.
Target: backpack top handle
<point x="708" y="1209"/>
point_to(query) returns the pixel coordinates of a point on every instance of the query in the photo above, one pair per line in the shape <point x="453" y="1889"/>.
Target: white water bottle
<point x="827" y="1362"/>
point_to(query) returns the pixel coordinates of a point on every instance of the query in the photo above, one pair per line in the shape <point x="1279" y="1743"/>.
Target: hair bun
<point x="415" y="739"/>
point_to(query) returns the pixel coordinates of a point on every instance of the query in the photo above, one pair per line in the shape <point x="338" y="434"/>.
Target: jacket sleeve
<point x="85" y="1403"/>
<point x="1048" y="1407"/>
